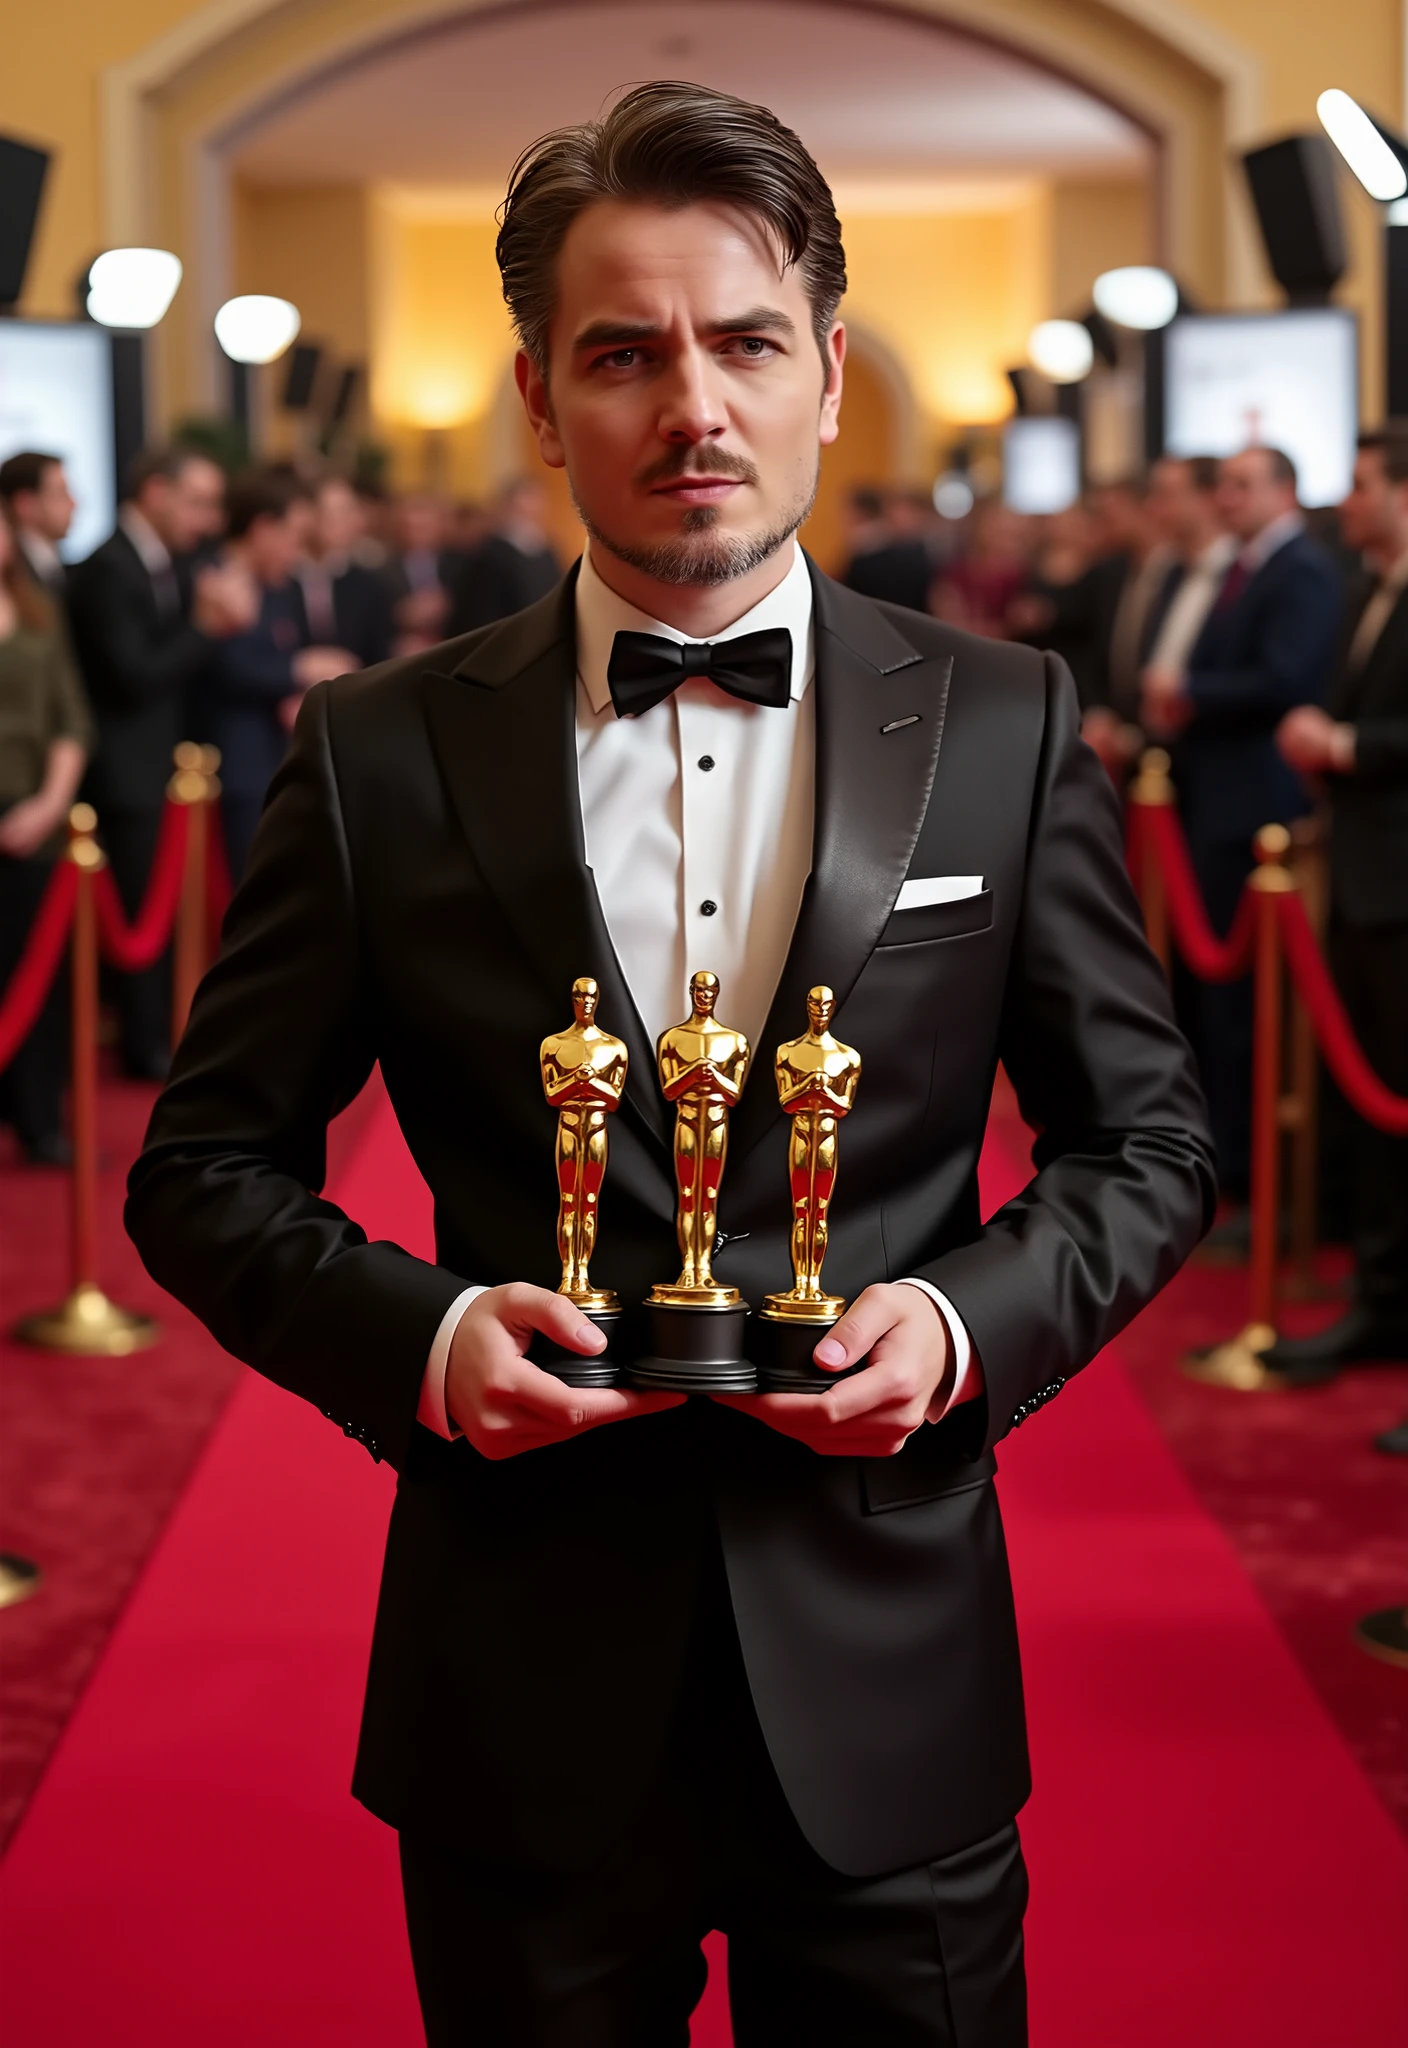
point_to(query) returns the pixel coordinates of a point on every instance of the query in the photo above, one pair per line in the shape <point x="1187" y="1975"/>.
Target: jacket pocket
<point x="928" y="1468"/>
<point x="939" y="920"/>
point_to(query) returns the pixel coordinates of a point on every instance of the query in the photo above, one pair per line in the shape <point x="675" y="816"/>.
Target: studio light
<point x="1137" y="296"/>
<point x="1368" y="151"/>
<point x="953" y="495"/>
<point x="255" y="328"/>
<point x="1062" y="350"/>
<point x="132" y="287"/>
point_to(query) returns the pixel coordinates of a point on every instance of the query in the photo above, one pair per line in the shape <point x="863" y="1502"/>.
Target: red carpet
<point x="1209" y="1864"/>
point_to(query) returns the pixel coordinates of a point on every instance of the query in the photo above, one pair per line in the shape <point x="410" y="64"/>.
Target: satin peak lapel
<point x="880" y="710"/>
<point x="504" y="731"/>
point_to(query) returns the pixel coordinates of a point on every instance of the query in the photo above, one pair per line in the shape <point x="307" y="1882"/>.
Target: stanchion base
<point x="1385" y="1635"/>
<point x="89" y="1324"/>
<point x="18" y="1579"/>
<point x="1238" y="1364"/>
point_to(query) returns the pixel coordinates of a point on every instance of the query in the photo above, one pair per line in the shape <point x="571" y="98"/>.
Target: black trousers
<point x="31" y="1087"/>
<point x="609" y="1957"/>
<point x="1370" y="964"/>
<point x="1222" y="1038"/>
<point x="143" y="1000"/>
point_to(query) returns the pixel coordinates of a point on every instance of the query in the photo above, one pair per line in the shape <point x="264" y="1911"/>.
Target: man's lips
<point x="697" y="490"/>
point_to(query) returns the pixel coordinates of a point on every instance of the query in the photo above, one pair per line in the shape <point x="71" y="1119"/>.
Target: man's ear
<point x="833" y="356"/>
<point x="533" y="389"/>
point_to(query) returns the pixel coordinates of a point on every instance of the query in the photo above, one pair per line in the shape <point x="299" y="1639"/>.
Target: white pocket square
<point x="938" y="889"/>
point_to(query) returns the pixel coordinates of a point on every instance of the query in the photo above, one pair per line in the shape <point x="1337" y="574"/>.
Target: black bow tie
<point x="644" y="668"/>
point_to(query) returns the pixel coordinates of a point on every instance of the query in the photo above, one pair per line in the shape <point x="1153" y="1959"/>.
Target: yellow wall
<point x="307" y="244"/>
<point x="1096" y="224"/>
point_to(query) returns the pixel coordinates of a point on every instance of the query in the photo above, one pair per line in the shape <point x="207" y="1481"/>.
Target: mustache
<point x="701" y="461"/>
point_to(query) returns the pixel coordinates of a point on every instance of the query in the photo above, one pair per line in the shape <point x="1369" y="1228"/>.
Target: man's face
<point x="187" y="508"/>
<point x="1176" y="506"/>
<point x="275" y="544"/>
<point x="420" y="525"/>
<point x="49" y="510"/>
<point x="1248" y="496"/>
<point x="1369" y="515"/>
<point x="339" y="518"/>
<point x="685" y="394"/>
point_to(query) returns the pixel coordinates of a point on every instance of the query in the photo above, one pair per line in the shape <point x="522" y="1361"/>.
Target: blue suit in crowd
<point x="249" y="677"/>
<point x="1267" y="645"/>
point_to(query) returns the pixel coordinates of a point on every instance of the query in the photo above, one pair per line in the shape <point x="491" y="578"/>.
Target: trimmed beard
<point x="698" y="557"/>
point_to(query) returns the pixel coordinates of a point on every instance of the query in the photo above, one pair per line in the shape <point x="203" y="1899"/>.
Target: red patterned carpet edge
<point x="1208" y="1861"/>
<point x="1317" y="1517"/>
<point x="94" y="1452"/>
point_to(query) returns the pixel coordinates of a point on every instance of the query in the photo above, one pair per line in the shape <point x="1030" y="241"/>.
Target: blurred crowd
<point x="1198" y="607"/>
<point x="1201" y="609"/>
<point x="206" y="614"/>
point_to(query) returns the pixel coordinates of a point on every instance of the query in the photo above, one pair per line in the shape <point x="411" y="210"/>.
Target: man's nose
<point x="692" y="407"/>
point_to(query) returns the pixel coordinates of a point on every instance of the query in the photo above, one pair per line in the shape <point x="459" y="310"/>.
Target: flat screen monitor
<point x="1040" y="464"/>
<point x="56" y="398"/>
<point x="1287" y="380"/>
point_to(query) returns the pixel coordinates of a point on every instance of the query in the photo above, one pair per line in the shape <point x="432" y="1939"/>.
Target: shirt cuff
<point x="967" y="1371"/>
<point x="431" y="1411"/>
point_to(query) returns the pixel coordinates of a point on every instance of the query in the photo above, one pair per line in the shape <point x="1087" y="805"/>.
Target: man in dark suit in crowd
<point x="1359" y="747"/>
<point x="1266" y="645"/>
<point x="34" y="492"/>
<point x="346" y="602"/>
<point x="252" y="684"/>
<point x="144" y="625"/>
<point x="751" y="1662"/>
<point x="890" y="560"/>
<point x="512" y="567"/>
<point x="422" y="572"/>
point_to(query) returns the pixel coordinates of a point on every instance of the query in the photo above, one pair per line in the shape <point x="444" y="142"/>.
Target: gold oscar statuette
<point x="584" y="1073"/>
<point x="817" y="1078"/>
<point x="696" y="1323"/>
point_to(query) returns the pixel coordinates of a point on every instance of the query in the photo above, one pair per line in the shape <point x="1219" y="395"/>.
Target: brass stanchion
<point x="1151" y="786"/>
<point x="86" y="1321"/>
<point x="1238" y="1363"/>
<point x="1385" y="1635"/>
<point x="19" y="1578"/>
<point x="193" y="784"/>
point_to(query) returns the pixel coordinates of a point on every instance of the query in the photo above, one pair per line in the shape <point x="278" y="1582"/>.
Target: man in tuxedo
<point x="34" y="492"/>
<point x="144" y="626"/>
<point x="1266" y="645"/>
<point x="1359" y="746"/>
<point x="512" y="567"/>
<point x="645" y="1666"/>
<point x="346" y="601"/>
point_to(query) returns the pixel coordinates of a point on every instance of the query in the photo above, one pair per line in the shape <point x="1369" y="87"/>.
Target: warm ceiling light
<point x="1373" y="160"/>
<point x="1136" y="296"/>
<point x="132" y="287"/>
<point x="1062" y="350"/>
<point x="256" y="329"/>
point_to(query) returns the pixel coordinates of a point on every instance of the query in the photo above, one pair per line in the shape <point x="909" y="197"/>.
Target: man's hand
<point x="27" y="824"/>
<point x="322" y="664"/>
<point x="225" y="600"/>
<point x="1313" y="743"/>
<point x="504" y="1404"/>
<point x="1164" y="704"/>
<point x="871" y="1415"/>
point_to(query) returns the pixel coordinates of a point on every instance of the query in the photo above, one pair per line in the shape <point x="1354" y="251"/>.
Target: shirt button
<point x="708" y="907"/>
<point x="706" y="762"/>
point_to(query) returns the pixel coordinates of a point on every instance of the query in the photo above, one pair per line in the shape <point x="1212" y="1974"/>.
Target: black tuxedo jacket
<point x="1369" y="809"/>
<point x="418" y="896"/>
<point x="140" y="667"/>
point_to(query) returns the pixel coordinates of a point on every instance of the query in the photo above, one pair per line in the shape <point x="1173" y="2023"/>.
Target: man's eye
<point x="621" y="358"/>
<point x="754" y="345"/>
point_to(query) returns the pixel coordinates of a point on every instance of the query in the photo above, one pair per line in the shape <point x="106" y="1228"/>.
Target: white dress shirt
<point x="697" y="817"/>
<point x="1191" y="602"/>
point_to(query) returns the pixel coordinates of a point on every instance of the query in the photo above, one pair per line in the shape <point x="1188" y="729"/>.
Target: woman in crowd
<point x="45" y="736"/>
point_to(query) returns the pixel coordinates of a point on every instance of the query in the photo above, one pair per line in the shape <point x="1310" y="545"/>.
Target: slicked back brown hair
<point x="669" y="144"/>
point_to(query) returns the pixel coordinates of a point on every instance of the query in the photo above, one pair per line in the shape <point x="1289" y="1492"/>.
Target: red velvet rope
<point x="1358" y="1082"/>
<point x="39" y="963"/>
<point x="1211" y="958"/>
<point x="132" y="947"/>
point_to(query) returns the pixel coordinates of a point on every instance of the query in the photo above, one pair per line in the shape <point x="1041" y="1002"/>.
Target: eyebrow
<point x="623" y="333"/>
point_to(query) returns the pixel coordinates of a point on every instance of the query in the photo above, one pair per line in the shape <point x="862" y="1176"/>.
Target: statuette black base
<point x="695" y="1351"/>
<point x="571" y="1367"/>
<point x="782" y="1353"/>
